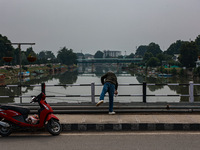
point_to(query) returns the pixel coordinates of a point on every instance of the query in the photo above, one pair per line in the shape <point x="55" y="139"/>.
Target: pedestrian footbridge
<point x="110" y="60"/>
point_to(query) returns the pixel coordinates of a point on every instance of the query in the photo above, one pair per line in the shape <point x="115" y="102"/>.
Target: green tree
<point x="130" y="56"/>
<point x="42" y="55"/>
<point x="188" y="54"/>
<point x="161" y="57"/>
<point x="197" y="41"/>
<point x="66" y="56"/>
<point x="197" y="71"/>
<point x="120" y="56"/>
<point x="24" y="58"/>
<point x="16" y="56"/>
<point x="182" y="72"/>
<point x="80" y="55"/>
<point x="24" y="54"/>
<point x="141" y="50"/>
<point x="173" y="71"/>
<point x="45" y="57"/>
<point x="154" y="49"/>
<point x="147" y="56"/>
<point x="174" y="48"/>
<point x="153" y="62"/>
<point x="172" y="63"/>
<point x="50" y="55"/>
<point x="98" y="54"/>
<point x="162" y="69"/>
<point x="164" y="57"/>
<point x="6" y="50"/>
<point x="30" y="52"/>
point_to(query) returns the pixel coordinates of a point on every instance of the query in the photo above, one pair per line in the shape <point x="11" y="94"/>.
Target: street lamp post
<point x="20" y="64"/>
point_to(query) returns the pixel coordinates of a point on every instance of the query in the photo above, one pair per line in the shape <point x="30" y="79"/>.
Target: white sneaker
<point x="112" y="113"/>
<point x="99" y="103"/>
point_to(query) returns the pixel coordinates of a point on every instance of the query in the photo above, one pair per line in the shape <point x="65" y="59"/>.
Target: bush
<point x="173" y="71"/>
<point x="197" y="71"/>
<point x="24" y="68"/>
<point x="181" y="72"/>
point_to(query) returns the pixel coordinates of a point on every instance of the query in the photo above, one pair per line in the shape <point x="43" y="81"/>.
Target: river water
<point x="87" y="74"/>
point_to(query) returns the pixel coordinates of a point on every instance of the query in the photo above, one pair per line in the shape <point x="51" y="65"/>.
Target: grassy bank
<point x="11" y="73"/>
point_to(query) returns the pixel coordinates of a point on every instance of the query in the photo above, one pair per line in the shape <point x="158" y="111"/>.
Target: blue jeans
<point x="110" y="88"/>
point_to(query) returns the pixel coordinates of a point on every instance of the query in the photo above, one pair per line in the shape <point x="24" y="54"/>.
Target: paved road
<point x="104" y="141"/>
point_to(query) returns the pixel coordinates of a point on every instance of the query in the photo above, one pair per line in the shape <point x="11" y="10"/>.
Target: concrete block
<point x="100" y="127"/>
<point x="82" y="127"/>
<point x="135" y="127"/>
<point x="151" y="127"/>
<point x="169" y="126"/>
<point x="66" y="127"/>
<point x="117" y="127"/>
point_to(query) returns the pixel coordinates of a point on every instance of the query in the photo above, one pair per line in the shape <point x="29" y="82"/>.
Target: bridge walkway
<point x="128" y="117"/>
<point x="130" y="122"/>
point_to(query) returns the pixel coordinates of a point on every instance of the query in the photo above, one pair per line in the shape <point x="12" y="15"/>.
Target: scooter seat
<point x="22" y="110"/>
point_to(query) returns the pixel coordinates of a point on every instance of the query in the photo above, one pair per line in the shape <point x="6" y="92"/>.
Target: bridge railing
<point x="92" y="94"/>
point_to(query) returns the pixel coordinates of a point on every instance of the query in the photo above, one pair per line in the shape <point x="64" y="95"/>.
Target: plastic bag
<point x="33" y="119"/>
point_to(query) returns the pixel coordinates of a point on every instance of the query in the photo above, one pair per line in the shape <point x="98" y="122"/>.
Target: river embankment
<point x="10" y="74"/>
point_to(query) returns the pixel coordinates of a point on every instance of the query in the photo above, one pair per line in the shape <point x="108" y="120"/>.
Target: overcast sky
<point x="91" y="25"/>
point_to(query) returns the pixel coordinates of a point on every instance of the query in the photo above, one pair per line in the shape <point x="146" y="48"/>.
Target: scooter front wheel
<point x="54" y="127"/>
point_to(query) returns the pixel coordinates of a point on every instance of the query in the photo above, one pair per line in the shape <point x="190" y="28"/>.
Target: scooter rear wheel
<point x="5" y="131"/>
<point x="54" y="127"/>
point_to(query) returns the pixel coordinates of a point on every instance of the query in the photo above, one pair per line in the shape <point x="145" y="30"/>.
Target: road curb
<point x="132" y="127"/>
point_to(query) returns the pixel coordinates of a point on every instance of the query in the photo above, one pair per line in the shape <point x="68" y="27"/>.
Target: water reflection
<point x="178" y="89"/>
<point x="94" y="72"/>
<point x="68" y="77"/>
<point x="100" y="69"/>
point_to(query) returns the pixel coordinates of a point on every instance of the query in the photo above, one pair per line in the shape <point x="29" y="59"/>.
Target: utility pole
<point x="20" y="64"/>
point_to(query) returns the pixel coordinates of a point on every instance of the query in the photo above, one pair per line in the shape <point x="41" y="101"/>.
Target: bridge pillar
<point x="93" y="92"/>
<point x="144" y="92"/>
<point x="191" y="91"/>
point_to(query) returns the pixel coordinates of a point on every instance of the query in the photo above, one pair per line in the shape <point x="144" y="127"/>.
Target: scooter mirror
<point x="32" y="100"/>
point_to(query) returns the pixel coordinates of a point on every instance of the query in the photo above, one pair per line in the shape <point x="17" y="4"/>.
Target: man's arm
<point x="102" y="78"/>
<point x="116" y="85"/>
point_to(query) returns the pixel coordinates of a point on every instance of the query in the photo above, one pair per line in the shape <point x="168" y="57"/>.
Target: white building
<point x="114" y="54"/>
<point x="89" y="56"/>
<point x="175" y="57"/>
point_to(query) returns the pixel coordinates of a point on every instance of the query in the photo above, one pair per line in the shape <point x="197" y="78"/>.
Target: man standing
<point x="109" y="80"/>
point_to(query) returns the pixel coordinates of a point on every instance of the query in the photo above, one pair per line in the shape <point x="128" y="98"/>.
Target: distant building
<point x="80" y="55"/>
<point x="175" y="57"/>
<point x="89" y="56"/>
<point x="114" y="54"/>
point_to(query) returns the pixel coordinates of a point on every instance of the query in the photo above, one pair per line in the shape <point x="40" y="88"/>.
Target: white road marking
<point x="110" y="133"/>
<point x="131" y="133"/>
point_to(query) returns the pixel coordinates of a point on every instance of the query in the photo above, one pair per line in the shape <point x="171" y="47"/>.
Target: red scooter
<point x="16" y="117"/>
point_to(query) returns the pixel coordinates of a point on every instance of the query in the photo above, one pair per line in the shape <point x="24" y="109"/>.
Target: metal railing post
<point x="20" y="92"/>
<point x="144" y="87"/>
<point x="93" y="92"/>
<point x="144" y="94"/>
<point x="43" y="88"/>
<point x="191" y="92"/>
